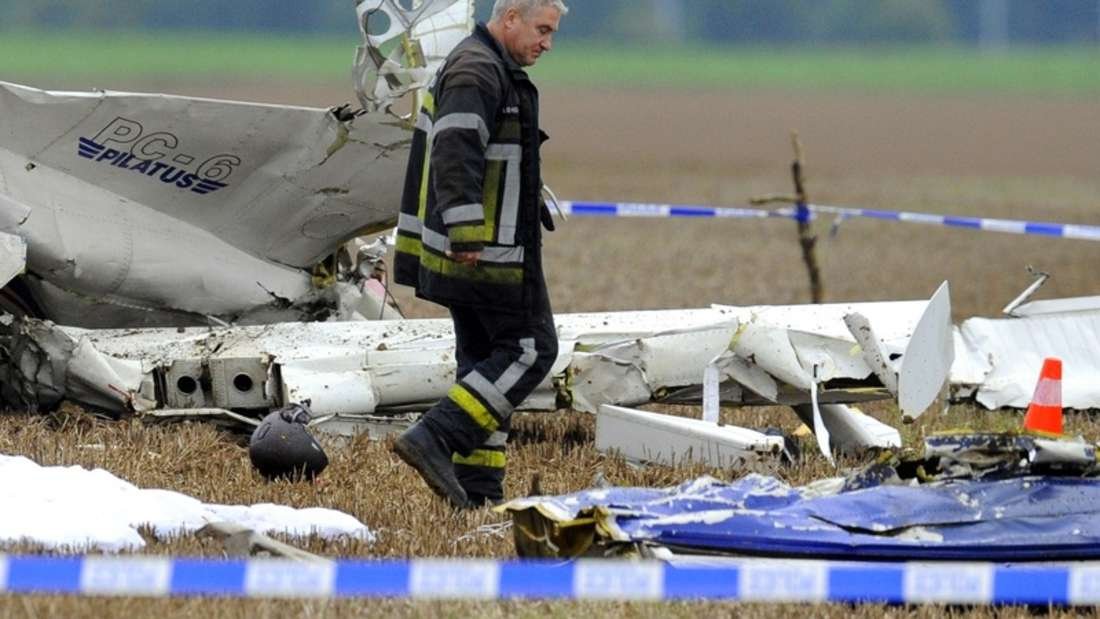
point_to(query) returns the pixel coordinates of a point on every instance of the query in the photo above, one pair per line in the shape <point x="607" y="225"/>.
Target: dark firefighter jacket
<point x="473" y="183"/>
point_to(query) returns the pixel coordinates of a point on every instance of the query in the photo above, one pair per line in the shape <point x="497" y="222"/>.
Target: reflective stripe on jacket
<point x="473" y="184"/>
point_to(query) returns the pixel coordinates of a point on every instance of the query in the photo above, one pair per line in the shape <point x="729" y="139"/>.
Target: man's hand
<point x="469" y="258"/>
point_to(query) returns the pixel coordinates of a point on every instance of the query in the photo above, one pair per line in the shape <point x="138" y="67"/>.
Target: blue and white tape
<point x="1010" y="226"/>
<point x="750" y="580"/>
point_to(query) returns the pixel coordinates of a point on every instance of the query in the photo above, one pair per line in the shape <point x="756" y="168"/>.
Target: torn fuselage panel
<point x="177" y="206"/>
<point x="404" y="44"/>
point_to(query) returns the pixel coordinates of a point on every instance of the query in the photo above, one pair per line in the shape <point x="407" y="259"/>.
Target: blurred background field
<point x="52" y="59"/>
<point x="986" y="108"/>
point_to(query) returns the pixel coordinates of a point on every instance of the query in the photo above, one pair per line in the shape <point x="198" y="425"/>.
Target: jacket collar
<point x="481" y="33"/>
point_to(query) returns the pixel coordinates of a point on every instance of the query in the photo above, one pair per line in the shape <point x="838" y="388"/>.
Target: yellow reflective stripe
<point x="509" y="130"/>
<point x="473" y="407"/>
<point x="429" y="102"/>
<point x="422" y="210"/>
<point x="408" y="245"/>
<point x="482" y="457"/>
<point x="468" y="234"/>
<point x="481" y="272"/>
<point x="490" y="196"/>
<point x="450" y="268"/>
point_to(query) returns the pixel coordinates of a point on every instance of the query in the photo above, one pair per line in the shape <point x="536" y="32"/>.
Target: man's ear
<point x="512" y="16"/>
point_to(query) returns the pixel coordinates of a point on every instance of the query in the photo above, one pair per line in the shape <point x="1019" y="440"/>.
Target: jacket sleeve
<point x="464" y="121"/>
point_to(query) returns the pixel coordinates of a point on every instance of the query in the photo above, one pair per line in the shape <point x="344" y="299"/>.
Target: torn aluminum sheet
<point x="999" y="359"/>
<point x="761" y="354"/>
<point x="72" y="508"/>
<point x="849" y="429"/>
<point x="148" y="209"/>
<point x="760" y="348"/>
<point x="363" y="368"/>
<point x="404" y="45"/>
<point x="13" y="255"/>
<point x="341" y="368"/>
<point x="1018" y="514"/>
<point x="162" y="210"/>
<point x="1001" y="454"/>
<point x="644" y="437"/>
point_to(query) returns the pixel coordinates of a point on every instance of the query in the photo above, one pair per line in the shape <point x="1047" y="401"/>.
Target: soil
<point x="1032" y="158"/>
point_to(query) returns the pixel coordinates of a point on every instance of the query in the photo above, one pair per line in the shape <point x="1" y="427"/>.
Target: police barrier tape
<point x="749" y="580"/>
<point x="1010" y="226"/>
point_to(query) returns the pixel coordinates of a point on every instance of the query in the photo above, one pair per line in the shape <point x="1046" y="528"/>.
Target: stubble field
<point x="1034" y="157"/>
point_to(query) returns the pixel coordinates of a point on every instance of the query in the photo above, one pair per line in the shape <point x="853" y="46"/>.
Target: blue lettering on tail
<point x="171" y="176"/>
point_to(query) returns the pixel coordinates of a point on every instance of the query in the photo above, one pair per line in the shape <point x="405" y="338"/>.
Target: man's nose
<point x="548" y="43"/>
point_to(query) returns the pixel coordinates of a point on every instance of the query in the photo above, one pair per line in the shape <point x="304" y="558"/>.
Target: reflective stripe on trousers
<point x="501" y="359"/>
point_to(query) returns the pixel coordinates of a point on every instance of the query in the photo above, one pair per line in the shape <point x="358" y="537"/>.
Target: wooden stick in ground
<point x="806" y="238"/>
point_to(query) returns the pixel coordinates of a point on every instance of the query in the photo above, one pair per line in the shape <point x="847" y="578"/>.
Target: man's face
<point x="527" y="38"/>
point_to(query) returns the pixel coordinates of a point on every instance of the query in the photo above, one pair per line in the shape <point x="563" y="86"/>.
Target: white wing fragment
<point x="645" y="437"/>
<point x="928" y="357"/>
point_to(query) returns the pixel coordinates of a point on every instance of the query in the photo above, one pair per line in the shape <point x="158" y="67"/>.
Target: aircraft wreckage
<point x="181" y="257"/>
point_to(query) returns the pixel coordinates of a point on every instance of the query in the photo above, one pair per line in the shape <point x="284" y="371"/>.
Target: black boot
<point x="421" y="449"/>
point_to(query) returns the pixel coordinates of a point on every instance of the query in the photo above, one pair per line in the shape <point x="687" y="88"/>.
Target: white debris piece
<point x="873" y="351"/>
<point x="417" y="41"/>
<point x="72" y="508"/>
<point x="13" y="256"/>
<point x="928" y="357"/>
<point x="850" y="429"/>
<point x="999" y="359"/>
<point x="645" y="437"/>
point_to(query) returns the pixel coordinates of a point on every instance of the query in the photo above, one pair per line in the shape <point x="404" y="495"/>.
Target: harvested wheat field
<point x="1035" y="158"/>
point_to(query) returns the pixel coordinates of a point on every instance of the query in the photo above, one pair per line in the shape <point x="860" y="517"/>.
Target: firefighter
<point x="469" y="238"/>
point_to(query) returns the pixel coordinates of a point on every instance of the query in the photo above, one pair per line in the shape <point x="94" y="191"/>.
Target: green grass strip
<point x="1047" y="71"/>
<point x="168" y="56"/>
<point x="1071" y="71"/>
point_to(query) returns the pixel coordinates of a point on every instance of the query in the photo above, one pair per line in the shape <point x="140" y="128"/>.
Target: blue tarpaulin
<point x="1025" y="518"/>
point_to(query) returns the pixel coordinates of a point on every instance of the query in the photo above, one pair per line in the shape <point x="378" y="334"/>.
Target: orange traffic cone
<point x="1044" y="415"/>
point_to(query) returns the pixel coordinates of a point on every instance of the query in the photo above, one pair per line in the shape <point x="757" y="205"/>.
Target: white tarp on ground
<point x="72" y="508"/>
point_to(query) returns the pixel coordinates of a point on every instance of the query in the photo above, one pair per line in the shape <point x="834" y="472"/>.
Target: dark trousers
<point x="501" y="359"/>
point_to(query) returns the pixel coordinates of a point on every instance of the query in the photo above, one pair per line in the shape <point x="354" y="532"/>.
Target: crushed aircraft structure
<point x="179" y="257"/>
<point x="970" y="497"/>
<point x="997" y="358"/>
<point x="351" y="372"/>
<point x="127" y="210"/>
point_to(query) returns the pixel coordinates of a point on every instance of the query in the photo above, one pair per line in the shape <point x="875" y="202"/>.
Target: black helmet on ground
<point x="282" y="447"/>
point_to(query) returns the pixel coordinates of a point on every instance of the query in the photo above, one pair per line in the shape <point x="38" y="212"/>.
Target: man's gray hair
<point x="526" y="6"/>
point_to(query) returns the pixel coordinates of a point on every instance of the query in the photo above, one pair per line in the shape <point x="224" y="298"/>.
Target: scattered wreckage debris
<point x="281" y="447"/>
<point x="72" y="508"/>
<point x="273" y="222"/>
<point x="970" y="497"/>
<point x="241" y="541"/>
<point x="128" y="209"/>
<point x="997" y="359"/>
<point x="183" y="222"/>
<point x="357" y="371"/>
<point x="644" y="437"/>
<point x="373" y="375"/>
